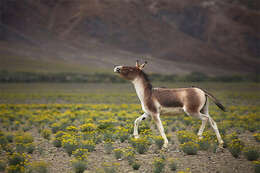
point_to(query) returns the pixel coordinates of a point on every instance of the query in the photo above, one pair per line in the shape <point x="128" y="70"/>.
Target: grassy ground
<point x="66" y="127"/>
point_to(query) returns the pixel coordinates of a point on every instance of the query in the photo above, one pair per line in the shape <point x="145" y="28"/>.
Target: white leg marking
<point x="202" y="127"/>
<point x="137" y="122"/>
<point x="161" y="130"/>
<point x="215" y="128"/>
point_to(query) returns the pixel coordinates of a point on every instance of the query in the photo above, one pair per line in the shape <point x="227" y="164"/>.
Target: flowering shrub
<point x="130" y="155"/>
<point x="80" y="154"/>
<point x="28" y="147"/>
<point x="140" y="144"/>
<point x="79" y="165"/>
<point x="17" y="162"/>
<point x="204" y="144"/>
<point x="46" y="133"/>
<point x="72" y="128"/>
<point x="158" y="164"/>
<point x="69" y="143"/>
<point x="81" y="128"/>
<point x="88" y="127"/>
<point x="228" y="138"/>
<point x="186" y="136"/>
<point x="235" y="147"/>
<point x="58" y="138"/>
<point x="23" y="138"/>
<point x="88" y="144"/>
<point x="38" y="167"/>
<point x="122" y="133"/>
<point x="110" y="167"/>
<point x="158" y="141"/>
<point x="190" y="148"/>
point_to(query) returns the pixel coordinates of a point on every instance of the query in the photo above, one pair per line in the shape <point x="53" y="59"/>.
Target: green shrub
<point x="28" y="147"/>
<point x="56" y="143"/>
<point x="136" y="165"/>
<point x="80" y="154"/>
<point x="190" y="148"/>
<point x="172" y="164"/>
<point x="140" y="144"/>
<point x="235" y="147"/>
<point x="228" y="138"/>
<point x="23" y="138"/>
<point x="204" y="144"/>
<point x="88" y="144"/>
<point x="17" y="159"/>
<point x="46" y="133"/>
<point x="15" y="169"/>
<point x="158" y="164"/>
<point x="118" y="153"/>
<point x="123" y="137"/>
<point x="88" y="127"/>
<point x="251" y="153"/>
<point x="110" y="168"/>
<point x="186" y="136"/>
<point x="130" y="155"/>
<point x="70" y="146"/>
<point x="159" y="141"/>
<point x="38" y="167"/>
<point x="79" y="166"/>
<point x="109" y="136"/>
<point x="55" y="127"/>
<point x="108" y="146"/>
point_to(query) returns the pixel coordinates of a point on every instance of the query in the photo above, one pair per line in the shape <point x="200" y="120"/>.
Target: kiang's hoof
<point x="136" y="136"/>
<point x="164" y="149"/>
<point x="220" y="149"/>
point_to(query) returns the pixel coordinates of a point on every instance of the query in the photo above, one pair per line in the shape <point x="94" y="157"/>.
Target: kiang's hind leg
<point x="204" y="110"/>
<point x="204" y="118"/>
<point x="202" y="127"/>
<point x="215" y="128"/>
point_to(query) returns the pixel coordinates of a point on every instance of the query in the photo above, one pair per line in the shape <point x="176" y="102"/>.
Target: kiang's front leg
<point x="158" y="122"/>
<point x="136" y="124"/>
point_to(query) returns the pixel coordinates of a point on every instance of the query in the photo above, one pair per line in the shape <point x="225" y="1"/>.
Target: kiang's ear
<point x="137" y="64"/>
<point x="142" y="66"/>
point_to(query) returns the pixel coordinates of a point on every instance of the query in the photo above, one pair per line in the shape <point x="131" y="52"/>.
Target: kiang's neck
<point x="143" y="87"/>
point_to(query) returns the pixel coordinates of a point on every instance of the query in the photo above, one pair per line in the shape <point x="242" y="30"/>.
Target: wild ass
<point x="156" y="101"/>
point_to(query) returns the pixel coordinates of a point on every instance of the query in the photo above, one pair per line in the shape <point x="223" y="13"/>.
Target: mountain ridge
<point x="176" y="37"/>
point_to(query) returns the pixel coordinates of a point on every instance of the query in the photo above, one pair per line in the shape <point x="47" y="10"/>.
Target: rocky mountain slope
<point x="210" y="36"/>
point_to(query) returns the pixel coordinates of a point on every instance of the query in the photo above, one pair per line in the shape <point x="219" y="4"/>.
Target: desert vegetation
<point x="98" y="137"/>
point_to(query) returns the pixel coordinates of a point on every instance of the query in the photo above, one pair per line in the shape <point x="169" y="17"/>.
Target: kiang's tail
<point x="214" y="99"/>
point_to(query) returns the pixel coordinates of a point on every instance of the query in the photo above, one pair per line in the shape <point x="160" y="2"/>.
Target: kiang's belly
<point x="171" y="110"/>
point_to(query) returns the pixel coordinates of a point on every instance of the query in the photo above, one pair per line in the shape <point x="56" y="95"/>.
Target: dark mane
<point x="147" y="80"/>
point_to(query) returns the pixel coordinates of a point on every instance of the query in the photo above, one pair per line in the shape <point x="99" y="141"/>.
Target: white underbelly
<point x="171" y="110"/>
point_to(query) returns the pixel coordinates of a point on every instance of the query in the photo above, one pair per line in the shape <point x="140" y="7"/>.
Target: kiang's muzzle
<point x="117" y="69"/>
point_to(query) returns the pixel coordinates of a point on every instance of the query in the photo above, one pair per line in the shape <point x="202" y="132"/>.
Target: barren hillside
<point x="216" y="37"/>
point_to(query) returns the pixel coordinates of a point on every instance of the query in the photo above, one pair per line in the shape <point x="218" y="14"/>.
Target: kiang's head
<point x="130" y="73"/>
